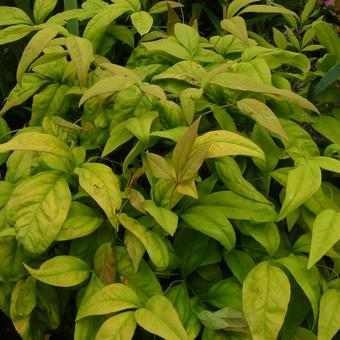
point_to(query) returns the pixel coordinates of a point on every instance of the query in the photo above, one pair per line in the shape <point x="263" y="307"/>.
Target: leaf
<point x="81" y="221"/>
<point x="140" y="126"/>
<point x="30" y="84"/>
<point x="39" y="207"/>
<point x="183" y="148"/>
<point x="164" y="217"/>
<point x="267" y="234"/>
<point x="159" y="167"/>
<point x="162" y="6"/>
<point x="308" y="280"/>
<point x="160" y="317"/>
<point x="6" y="189"/>
<point x="99" y="181"/>
<point x="154" y="245"/>
<point x="154" y="90"/>
<point x="37" y="141"/>
<point x="12" y="16"/>
<point x="236" y="5"/>
<point x="134" y="248"/>
<point x="226" y="293"/>
<point x="279" y="38"/>
<point x="142" y="21"/>
<point x="239" y="262"/>
<point x="61" y="271"/>
<point x="262" y="114"/>
<point x="96" y="27"/>
<point x="118" y="327"/>
<point x="211" y="221"/>
<point x="267" y="9"/>
<point x="329" y="317"/>
<point x="16" y="32"/>
<point x="328" y="79"/>
<point x="106" y="86"/>
<point x="81" y="53"/>
<point x="241" y="82"/>
<point x="229" y="172"/>
<point x="119" y="135"/>
<point x="328" y="126"/>
<point x="35" y="47"/>
<point x="222" y="319"/>
<point x="226" y="143"/>
<point x="303" y="182"/>
<point x="328" y="163"/>
<point x="328" y="38"/>
<point x="187" y="99"/>
<point x="237" y="27"/>
<point x="307" y="10"/>
<point x="187" y="37"/>
<point x="110" y="299"/>
<point x="325" y="234"/>
<point x="104" y="263"/>
<point x="42" y="8"/>
<point x="266" y="294"/>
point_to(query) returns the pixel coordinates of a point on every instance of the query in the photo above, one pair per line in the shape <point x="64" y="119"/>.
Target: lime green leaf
<point x="30" y="84"/>
<point x="131" y="5"/>
<point x="134" y="248"/>
<point x="104" y="263"/>
<point x="36" y="141"/>
<point x="164" y="217"/>
<point x="16" y="32"/>
<point x="187" y="99"/>
<point x="81" y="53"/>
<point x="159" y="167"/>
<point x="119" y="327"/>
<point x="279" y="38"/>
<point x="140" y="126"/>
<point x="229" y="172"/>
<point x="262" y="114"/>
<point x="96" y="27"/>
<point x="328" y="38"/>
<point x="154" y="245"/>
<point x="23" y="298"/>
<point x="110" y="299"/>
<point x="236" y="5"/>
<point x="226" y="293"/>
<point x="211" y="221"/>
<point x="267" y="234"/>
<point x="266" y="294"/>
<point x="226" y="143"/>
<point x="237" y="27"/>
<point x="160" y="317"/>
<point x="308" y="280"/>
<point x="61" y="271"/>
<point x="42" y="8"/>
<point x="162" y="6"/>
<point x="39" y="207"/>
<point x="6" y="189"/>
<point x="119" y="135"/>
<point x="35" y="47"/>
<point x="241" y="82"/>
<point x="142" y="22"/>
<point x="325" y="234"/>
<point x="107" y="86"/>
<point x="99" y="181"/>
<point x="174" y="134"/>
<point x="303" y="334"/>
<point x="12" y="16"/>
<point x="81" y="221"/>
<point x="328" y="163"/>
<point x="267" y="9"/>
<point x="187" y="37"/>
<point x="239" y="262"/>
<point x="329" y="317"/>
<point x="303" y="182"/>
<point x="169" y="47"/>
<point x="154" y="90"/>
<point x="307" y="10"/>
<point x="328" y="126"/>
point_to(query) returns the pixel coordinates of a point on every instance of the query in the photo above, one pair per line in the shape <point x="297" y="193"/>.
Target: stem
<point x="71" y="25"/>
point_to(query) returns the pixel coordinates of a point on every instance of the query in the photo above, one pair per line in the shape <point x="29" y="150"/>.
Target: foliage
<point x="167" y="183"/>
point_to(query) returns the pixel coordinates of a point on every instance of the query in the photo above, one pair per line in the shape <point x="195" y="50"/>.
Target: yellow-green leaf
<point x="236" y="5"/>
<point x="237" y="27"/>
<point x="61" y="271"/>
<point x="12" y="16"/>
<point x="81" y="53"/>
<point x="110" y="299"/>
<point x="267" y="9"/>
<point x="42" y="8"/>
<point x="142" y="22"/>
<point x="266" y="294"/>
